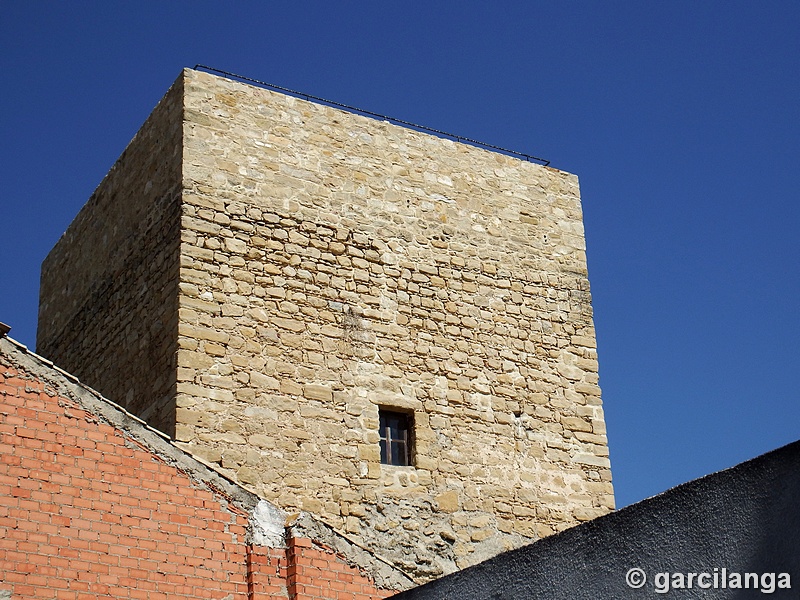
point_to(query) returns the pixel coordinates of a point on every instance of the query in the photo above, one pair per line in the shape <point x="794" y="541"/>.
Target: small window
<point x="396" y="429"/>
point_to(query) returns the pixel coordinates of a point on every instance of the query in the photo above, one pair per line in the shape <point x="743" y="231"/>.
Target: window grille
<point x="396" y="430"/>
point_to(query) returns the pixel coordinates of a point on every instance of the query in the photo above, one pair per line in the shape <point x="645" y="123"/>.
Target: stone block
<point x="448" y="502"/>
<point x="317" y="392"/>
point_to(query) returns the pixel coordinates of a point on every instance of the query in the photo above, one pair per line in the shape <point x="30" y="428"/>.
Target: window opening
<point x="395" y="430"/>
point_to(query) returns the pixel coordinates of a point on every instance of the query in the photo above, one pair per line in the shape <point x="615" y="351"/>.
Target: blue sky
<point x="682" y="120"/>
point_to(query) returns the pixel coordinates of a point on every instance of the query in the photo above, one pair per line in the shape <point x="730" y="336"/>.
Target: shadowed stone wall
<point x="108" y="302"/>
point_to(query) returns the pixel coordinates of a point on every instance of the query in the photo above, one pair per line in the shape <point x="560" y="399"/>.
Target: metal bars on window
<point x="395" y="430"/>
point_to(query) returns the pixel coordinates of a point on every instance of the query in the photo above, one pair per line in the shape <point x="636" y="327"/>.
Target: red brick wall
<point x="316" y="574"/>
<point x="86" y="512"/>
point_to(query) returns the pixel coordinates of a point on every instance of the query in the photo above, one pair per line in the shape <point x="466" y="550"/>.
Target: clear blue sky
<point x="682" y="120"/>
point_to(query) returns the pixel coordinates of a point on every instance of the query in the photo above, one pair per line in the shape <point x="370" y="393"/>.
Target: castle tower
<point x="387" y="329"/>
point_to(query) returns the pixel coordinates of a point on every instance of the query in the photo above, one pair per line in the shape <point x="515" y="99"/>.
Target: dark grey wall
<point x="744" y="519"/>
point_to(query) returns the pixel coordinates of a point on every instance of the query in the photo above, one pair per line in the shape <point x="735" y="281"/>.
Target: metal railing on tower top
<point x="361" y="111"/>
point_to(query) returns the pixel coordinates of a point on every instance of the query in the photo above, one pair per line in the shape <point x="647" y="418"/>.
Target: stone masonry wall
<point x="330" y="265"/>
<point x="108" y="298"/>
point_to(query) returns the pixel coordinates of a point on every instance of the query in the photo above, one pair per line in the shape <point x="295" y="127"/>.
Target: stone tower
<point x="387" y="329"/>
